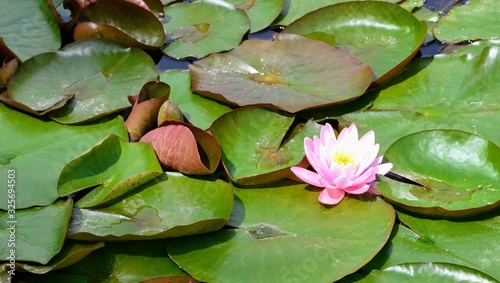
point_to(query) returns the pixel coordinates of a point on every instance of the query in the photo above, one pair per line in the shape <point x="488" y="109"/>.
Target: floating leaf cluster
<point x="117" y="166"/>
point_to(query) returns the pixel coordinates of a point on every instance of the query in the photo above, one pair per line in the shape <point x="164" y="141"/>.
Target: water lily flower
<point x="343" y="164"/>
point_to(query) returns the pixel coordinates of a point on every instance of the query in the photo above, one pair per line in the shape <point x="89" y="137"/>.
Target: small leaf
<point x="184" y="148"/>
<point x="146" y="106"/>
<point x="112" y="166"/>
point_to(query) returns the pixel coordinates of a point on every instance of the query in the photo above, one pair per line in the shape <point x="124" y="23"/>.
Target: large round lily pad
<point x="443" y="92"/>
<point x="256" y="146"/>
<point x="285" y="235"/>
<point x="203" y="27"/>
<point x="91" y="78"/>
<point x="477" y="19"/>
<point x="382" y="35"/>
<point x="291" y="72"/>
<point x="459" y="173"/>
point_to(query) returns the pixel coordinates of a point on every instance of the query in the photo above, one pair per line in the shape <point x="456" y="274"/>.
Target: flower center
<point x="342" y="158"/>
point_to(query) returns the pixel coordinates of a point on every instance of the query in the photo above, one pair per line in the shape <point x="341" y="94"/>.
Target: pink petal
<point x="361" y="189"/>
<point x="331" y="196"/>
<point x="383" y="169"/>
<point x="307" y="176"/>
<point x="342" y="183"/>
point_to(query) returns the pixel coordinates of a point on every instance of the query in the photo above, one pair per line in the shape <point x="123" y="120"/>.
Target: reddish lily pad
<point x="184" y="148"/>
<point x="146" y="106"/>
<point x="88" y="79"/>
<point x="123" y="22"/>
<point x="380" y="34"/>
<point x="290" y="73"/>
<point x="112" y="166"/>
<point x="200" y="28"/>
<point x="459" y="173"/>
<point x="256" y="145"/>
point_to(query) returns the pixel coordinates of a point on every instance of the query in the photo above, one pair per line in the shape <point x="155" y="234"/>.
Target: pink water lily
<point x="343" y="165"/>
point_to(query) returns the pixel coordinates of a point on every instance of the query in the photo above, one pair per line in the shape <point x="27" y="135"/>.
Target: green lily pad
<point x="425" y="272"/>
<point x="200" y="111"/>
<point x="201" y="28"/>
<point x="477" y="19"/>
<point x="287" y="236"/>
<point x="261" y="12"/>
<point x="380" y="34"/>
<point x="292" y="73"/>
<point x="34" y="240"/>
<point x="71" y="252"/>
<point x="435" y="161"/>
<point x="295" y="9"/>
<point x="39" y="161"/>
<point x="255" y="146"/>
<point x="184" y="148"/>
<point x="407" y="246"/>
<point x="112" y="166"/>
<point x="472" y="240"/>
<point x="170" y="205"/>
<point x="91" y="78"/>
<point x="27" y="28"/>
<point x="123" y="22"/>
<point x="443" y="92"/>
<point x="124" y="262"/>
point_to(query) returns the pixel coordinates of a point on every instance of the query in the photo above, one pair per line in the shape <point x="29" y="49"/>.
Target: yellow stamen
<point x="343" y="158"/>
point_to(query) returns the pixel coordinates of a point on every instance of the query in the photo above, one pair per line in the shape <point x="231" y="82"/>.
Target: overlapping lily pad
<point x="380" y="34"/>
<point x="261" y="12"/>
<point x="125" y="262"/>
<point x="184" y="148"/>
<point x="123" y="22"/>
<point x="39" y="161"/>
<point x="200" y="111"/>
<point x="477" y="19"/>
<point x="435" y="161"/>
<point x="472" y="241"/>
<point x="286" y="236"/>
<point x="443" y="92"/>
<point x="170" y="205"/>
<point x="27" y="28"/>
<point x="290" y="73"/>
<point x="201" y="28"/>
<point x="259" y="146"/>
<point x="112" y="166"/>
<point x="295" y="9"/>
<point x="35" y="240"/>
<point x="83" y="81"/>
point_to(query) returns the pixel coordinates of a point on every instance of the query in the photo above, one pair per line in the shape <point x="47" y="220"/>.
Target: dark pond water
<point x="430" y="49"/>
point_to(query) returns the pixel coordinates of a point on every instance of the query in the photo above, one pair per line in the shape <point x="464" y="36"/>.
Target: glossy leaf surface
<point x="284" y="235"/>
<point x="255" y="146"/>
<point x="380" y="34"/>
<point x="261" y="12"/>
<point x="170" y="205"/>
<point x="35" y="240"/>
<point x="291" y="73"/>
<point x="112" y="167"/>
<point x="200" y="28"/>
<point x="90" y="78"/>
<point x="39" y="161"/>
